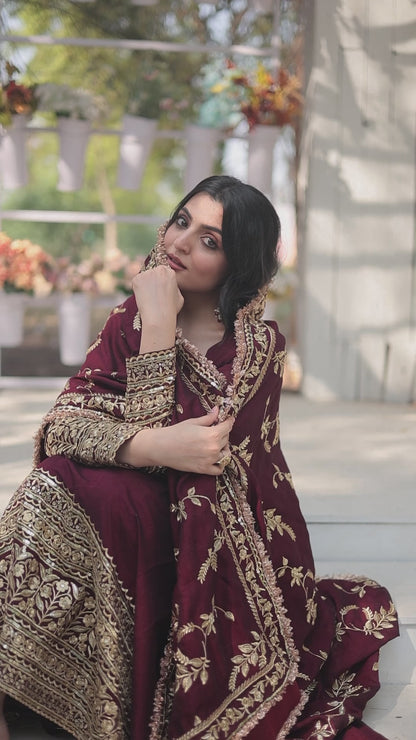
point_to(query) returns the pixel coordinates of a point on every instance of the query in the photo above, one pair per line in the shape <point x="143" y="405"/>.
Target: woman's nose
<point x="183" y="242"/>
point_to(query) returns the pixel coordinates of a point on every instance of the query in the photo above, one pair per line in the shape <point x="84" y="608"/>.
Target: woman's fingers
<point x="157" y="292"/>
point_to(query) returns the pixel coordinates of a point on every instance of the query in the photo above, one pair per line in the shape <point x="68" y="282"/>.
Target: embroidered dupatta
<point x="257" y="646"/>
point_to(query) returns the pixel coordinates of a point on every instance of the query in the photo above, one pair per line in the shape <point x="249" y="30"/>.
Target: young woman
<point x="156" y="574"/>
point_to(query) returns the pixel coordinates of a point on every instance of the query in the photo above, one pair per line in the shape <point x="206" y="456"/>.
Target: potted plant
<point x="266" y="102"/>
<point x="25" y="269"/>
<point x="269" y="102"/>
<point x="17" y="103"/>
<point x="140" y="123"/>
<point x="76" y="110"/>
<point x="75" y="284"/>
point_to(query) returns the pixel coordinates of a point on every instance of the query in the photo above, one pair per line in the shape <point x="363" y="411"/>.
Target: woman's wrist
<point x="138" y="451"/>
<point x="156" y="336"/>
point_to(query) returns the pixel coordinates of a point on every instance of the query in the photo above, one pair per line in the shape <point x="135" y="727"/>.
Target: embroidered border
<point x="67" y="627"/>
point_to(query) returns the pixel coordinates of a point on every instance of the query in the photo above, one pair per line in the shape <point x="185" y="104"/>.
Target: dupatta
<point x="255" y="637"/>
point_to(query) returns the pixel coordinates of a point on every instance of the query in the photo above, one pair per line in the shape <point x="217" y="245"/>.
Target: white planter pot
<point x="74" y="327"/>
<point x="12" y="309"/>
<point x="73" y="141"/>
<point x="13" y="168"/>
<point x="261" y="142"/>
<point x="201" y="148"/>
<point x="137" y="137"/>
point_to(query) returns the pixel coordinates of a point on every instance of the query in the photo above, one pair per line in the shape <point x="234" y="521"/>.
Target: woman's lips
<point x="175" y="263"/>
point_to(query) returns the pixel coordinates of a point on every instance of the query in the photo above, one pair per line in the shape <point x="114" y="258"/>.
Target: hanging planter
<point x="73" y="139"/>
<point x="137" y="137"/>
<point x="201" y="148"/>
<point x="14" y="173"/>
<point x="74" y="327"/>
<point x="261" y="142"/>
<point x="12" y="309"/>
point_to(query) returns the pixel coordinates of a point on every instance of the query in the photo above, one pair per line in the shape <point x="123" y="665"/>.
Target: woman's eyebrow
<point x="204" y="226"/>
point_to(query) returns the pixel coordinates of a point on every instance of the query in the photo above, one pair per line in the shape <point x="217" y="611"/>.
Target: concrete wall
<point x="357" y="312"/>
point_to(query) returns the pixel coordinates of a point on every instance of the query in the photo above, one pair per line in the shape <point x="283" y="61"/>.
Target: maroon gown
<point x="158" y="604"/>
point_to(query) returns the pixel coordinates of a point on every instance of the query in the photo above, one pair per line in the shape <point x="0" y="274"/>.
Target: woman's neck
<point x="199" y="323"/>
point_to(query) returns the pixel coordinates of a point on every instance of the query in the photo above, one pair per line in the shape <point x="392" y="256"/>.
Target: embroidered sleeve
<point x="89" y="440"/>
<point x="93" y="437"/>
<point x="150" y="393"/>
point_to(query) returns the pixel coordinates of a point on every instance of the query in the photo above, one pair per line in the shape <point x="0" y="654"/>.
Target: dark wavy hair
<point x="250" y="235"/>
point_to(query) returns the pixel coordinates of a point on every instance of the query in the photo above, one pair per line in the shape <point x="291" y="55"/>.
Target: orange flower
<point x="15" y="99"/>
<point x="24" y="267"/>
<point x="267" y="99"/>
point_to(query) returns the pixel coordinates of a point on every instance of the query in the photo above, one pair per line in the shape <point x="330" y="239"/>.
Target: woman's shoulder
<point x="276" y="335"/>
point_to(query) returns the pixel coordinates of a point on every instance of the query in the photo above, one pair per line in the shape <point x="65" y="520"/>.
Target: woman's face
<point x="193" y="246"/>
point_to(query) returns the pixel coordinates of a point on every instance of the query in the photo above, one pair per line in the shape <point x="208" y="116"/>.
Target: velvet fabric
<point x="218" y="570"/>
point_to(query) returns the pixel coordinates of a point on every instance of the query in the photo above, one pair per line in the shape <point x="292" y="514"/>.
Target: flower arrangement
<point x="69" y="102"/>
<point x="24" y="267"/>
<point x="70" y="277"/>
<point x="15" y="99"/>
<point x="95" y="275"/>
<point x="261" y="97"/>
<point x="27" y="268"/>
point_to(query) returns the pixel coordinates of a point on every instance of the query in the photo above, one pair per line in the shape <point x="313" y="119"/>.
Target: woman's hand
<point x="157" y="294"/>
<point x="159" y="301"/>
<point x="195" y="445"/>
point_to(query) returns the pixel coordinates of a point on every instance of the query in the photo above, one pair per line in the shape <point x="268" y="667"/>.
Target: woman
<point x="157" y="577"/>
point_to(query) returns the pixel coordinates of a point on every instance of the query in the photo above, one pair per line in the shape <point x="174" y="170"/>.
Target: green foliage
<point x="134" y="81"/>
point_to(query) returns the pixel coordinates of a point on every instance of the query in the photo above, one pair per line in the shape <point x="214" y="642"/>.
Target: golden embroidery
<point x="192" y="496"/>
<point x="262" y="669"/>
<point x="268" y="425"/>
<point x="150" y="394"/>
<point x="189" y="670"/>
<point x="375" y="621"/>
<point x="137" y="322"/>
<point x="200" y="375"/>
<point x="241" y="450"/>
<point x="251" y="654"/>
<point x="252" y="359"/>
<point x="279" y="361"/>
<point x="90" y="427"/>
<point x="356" y="586"/>
<point x="212" y="559"/>
<point x="91" y="439"/>
<point x="281" y="475"/>
<point x="322" y="655"/>
<point x="60" y="580"/>
<point x="300" y="578"/>
<point x="97" y="342"/>
<point x="274" y="523"/>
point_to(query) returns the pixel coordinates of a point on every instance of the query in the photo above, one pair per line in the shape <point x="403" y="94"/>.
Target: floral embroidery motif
<point x="305" y="580"/>
<point x="274" y="523"/>
<point x="212" y="559"/>
<point x="269" y="425"/>
<point x="150" y="394"/>
<point x="192" y="496"/>
<point x="279" y="361"/>
<point x="374" y="624"/>
<point x="190" y="670"/>
<point x="280" y="475"/>
<point x="83" y="673"/>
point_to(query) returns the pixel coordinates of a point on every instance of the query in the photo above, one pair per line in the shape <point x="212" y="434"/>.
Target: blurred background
<point x="110" y="112"/>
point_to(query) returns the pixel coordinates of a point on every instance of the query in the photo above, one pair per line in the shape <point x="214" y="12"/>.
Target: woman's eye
<point x="181" y="221"/>
<point x="210" y="242"/>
